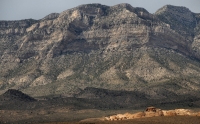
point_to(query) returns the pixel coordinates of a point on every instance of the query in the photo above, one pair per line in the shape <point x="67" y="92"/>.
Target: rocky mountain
<point x="112" y="47"/>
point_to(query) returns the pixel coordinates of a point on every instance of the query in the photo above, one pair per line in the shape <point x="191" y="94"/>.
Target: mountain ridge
<point x="118" y="48"/>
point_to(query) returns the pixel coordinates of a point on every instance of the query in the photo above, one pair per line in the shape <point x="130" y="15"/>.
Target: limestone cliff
<point x="114" y="47"/>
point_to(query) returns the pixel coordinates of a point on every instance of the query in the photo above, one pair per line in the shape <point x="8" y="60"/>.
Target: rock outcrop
<point x="151" y="112"/>
<point x="114" y="47"/>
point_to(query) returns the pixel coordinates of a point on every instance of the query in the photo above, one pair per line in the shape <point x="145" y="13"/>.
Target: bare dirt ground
<point x="54" y="115"/>
<point x="65" y="116"/>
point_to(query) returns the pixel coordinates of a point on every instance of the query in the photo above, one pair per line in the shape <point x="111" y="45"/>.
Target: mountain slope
<point x="12" y="94"/>
<point x="118" y="48"/>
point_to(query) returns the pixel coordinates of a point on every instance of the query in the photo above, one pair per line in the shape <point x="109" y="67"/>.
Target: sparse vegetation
<point x="93" y="60"/>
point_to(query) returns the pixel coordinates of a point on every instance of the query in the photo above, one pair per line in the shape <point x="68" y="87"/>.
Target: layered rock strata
<point x="114" y="47"/>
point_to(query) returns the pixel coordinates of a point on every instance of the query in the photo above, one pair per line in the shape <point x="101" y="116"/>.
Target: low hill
<point x="12" y="95"/>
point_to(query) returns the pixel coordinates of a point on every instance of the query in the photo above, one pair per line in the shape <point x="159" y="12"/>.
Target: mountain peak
<point x="123" y="5"/>
<point x="51" y="16"/>
<point x="180" y="9"/>
<point x="130" y="7"/>
<point x="180" y="18"/>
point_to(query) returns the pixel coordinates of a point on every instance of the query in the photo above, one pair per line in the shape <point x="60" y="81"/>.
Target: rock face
<point x="114" y="47"/>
